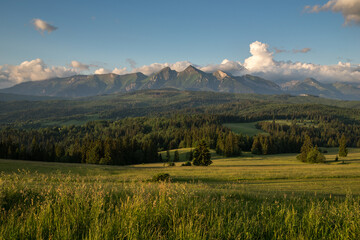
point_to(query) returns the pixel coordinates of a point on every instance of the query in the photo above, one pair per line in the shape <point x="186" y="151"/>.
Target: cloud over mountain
<point x="350" y="9"/>
<point x="260" y="63"/>
<point x="31" y="71"/>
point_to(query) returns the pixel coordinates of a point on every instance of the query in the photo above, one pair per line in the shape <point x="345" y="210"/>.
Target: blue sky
<point x="106" y="33"/>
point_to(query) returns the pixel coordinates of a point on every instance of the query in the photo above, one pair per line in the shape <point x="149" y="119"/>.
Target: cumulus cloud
<point x="120" y="71"/>
<point x="31" y="71"/>
<point x="232" y="67"/>
<point x="156" y="67"/>
<point x="350" y="9"/>
<point x="261" y="59"/>
<point x="43" y="26"/>
<point x="102" y="71"/>
<point x="261" y="63"/>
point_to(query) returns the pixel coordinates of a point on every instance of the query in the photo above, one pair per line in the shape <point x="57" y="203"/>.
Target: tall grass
<point x="58" y="206"/>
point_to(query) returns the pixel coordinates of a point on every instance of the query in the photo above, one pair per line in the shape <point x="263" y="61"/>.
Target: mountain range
<point x="190" y="79"/>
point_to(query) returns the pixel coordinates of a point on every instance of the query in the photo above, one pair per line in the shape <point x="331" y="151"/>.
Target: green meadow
<point x="247" y="128"/>
<point x="247" y="197"/>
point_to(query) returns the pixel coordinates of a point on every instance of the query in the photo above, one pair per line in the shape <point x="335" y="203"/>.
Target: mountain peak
<point x="220" y="74"/>
<point x="191" y="68"/>
<point x="166" y="69"/>
<point x="311" y="81"/>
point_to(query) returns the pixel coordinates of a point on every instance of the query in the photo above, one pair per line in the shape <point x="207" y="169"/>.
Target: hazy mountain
<point x="189" y="79"/>
<point x="328" y="90"/>
<point x="79" y="86"/>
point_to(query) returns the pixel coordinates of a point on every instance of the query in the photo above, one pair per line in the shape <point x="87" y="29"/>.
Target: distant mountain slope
<point x="79" y="86"/>
<point x="189" y="79"/>
<point x="9" y="97"/>
<point x="332" y="90"/>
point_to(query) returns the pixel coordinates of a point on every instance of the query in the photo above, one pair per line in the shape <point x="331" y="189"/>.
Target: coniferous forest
<point x="127" y="139"/>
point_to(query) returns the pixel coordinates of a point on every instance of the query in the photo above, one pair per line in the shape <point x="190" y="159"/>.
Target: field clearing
<point x="249" y="197"/>
<point x="271" y="174"/>
<point x="245" y="128"/>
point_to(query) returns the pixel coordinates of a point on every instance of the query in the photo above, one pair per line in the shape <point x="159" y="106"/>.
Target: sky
<point x="279" y="39"/>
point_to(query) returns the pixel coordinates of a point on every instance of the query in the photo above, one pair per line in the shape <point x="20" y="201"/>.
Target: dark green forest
<point x="132" y="128"/>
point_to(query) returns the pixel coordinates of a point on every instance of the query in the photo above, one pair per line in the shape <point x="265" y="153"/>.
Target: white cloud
<point x="261" y="63"/>
<point x="102" y="71"/>
<point x="79" y="65"/>
<point x="120" y="71"/>
<point x="350" y="9"/>
<point x="43" y="26"/>
<point x="233" y="67"/>
<point x="261" y="59"/>
<point x="31" y="71"/>
<point x="156" y="67"/>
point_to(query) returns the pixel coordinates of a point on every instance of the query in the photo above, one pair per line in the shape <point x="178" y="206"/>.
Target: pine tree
<point x="160" y="158"/>
<point x="305" y="149"/>
<point x="168" y="156"/>
<point x="191" y="156"/>
<point x="202" y="156"/>
<point x="256" y="147"/>
<point x="342" y="146"/>
<point x="176" y="156"/>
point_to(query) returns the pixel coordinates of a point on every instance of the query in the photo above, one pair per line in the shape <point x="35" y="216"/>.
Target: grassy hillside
<point x="250" y="197"/>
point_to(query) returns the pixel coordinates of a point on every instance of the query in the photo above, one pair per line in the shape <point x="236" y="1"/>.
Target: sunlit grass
<point x="249" y="197"/>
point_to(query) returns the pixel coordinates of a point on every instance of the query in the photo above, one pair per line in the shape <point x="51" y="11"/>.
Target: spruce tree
<point x="305" y="149"/>
<point x="202" y="156"/>
<point x="342" y="146"/>
<point x="191" y="155"/>
<point x="176" y="156"/>
<point x="256" y="147"/>
<point x="168" y="156"/>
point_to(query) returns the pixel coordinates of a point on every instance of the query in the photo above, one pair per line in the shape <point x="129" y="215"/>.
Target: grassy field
<point x="244" y="128"/>
<point x="248" y="197"/>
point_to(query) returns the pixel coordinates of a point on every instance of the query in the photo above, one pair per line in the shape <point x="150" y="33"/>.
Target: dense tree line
<point x="127" y="141"/>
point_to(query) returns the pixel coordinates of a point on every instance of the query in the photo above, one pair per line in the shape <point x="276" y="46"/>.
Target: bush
<point x="161" y="177"/>
<point x="186" y="164"/>
<point x="171" y="164"/>
<point x="315" y="156"/>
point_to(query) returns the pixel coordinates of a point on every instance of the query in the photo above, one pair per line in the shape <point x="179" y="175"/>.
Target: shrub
<point x="161" y="177"/>
<point x="186" y="164"/>
<point x="315" y="156"/>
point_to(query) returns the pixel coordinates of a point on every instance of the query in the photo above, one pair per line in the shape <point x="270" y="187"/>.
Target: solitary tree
<point x="315" y="156"/>
<point x="305" y="149"/>
<point x="202" y="156"/>
<point x="342" y="146"/>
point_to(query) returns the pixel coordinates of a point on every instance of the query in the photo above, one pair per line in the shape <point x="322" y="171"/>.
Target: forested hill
<point x="131" y="128"/>
<point x="161" y="103"/>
